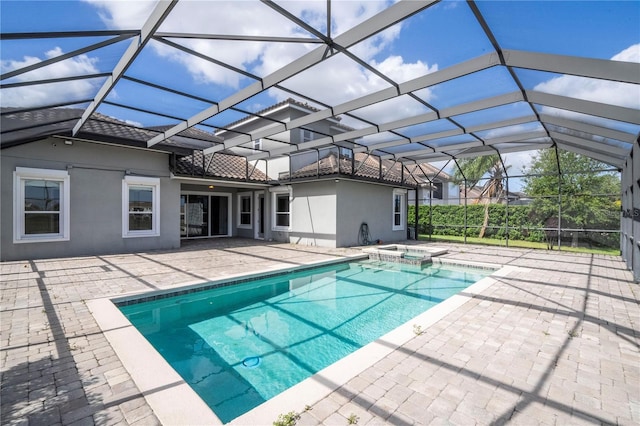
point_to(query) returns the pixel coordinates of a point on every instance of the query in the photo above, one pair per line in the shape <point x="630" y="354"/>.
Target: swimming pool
<point x="239" y="345"/>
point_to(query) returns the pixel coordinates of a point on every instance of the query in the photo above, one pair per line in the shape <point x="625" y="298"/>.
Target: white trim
<point x="154" y="185"/>
<point x="216" y="182"/>
<point x="259" y="216"/>
<point x="242" y="195"/>
<point x="20" y="175"/>
<point x="229" y="196"/>
<point x="402" y="193"/>
<point x="275" y="191"/>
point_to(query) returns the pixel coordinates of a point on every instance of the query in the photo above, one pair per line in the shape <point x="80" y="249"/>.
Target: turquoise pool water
<point x="239" y="345"/>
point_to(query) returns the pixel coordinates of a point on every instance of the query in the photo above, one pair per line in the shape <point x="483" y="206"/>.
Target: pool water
<point x="239" y="345"/>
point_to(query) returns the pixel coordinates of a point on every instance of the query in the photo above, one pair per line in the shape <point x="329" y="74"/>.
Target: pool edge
<point x="158" y="382"/>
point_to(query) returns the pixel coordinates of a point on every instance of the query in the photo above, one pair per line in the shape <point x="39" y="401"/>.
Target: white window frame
<point x="154" y="184"/>
<point x="402" y="193"/>
<point x="306" y="135"/>
<point x="274" y="205"/>
<point x="257" y="144"/>
<point x="242" y="195"/>
<point x="22" y="174"/>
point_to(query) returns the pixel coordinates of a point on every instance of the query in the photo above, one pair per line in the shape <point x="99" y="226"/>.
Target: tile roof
<point x="217" y="165"/>
<point x="363" y="167"/>
<point x="29" y="125"/>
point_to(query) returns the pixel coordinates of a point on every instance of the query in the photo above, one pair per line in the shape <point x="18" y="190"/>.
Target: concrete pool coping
<point x="175" y="402"/>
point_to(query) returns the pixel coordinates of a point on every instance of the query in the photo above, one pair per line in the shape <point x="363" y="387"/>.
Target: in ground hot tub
<point x="400" y="253"/>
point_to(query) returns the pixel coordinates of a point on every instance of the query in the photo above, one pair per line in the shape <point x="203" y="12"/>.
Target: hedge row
<point x="450" y="220"/>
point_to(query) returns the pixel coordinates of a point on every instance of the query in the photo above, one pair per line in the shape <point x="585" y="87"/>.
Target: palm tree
<point x="474" y="169"/>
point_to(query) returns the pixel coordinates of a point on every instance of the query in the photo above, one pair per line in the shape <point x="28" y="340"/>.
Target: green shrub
<point x="449" y="220"/>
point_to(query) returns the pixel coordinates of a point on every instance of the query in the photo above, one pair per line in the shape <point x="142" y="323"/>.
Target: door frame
<point x="229" y="212"/>
<point x="259" y="215"/>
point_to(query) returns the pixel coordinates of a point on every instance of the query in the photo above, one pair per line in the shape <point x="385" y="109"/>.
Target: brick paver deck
<point x="556" y="343"/>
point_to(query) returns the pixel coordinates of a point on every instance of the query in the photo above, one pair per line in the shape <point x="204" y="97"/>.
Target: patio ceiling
<point x="495" y="89"/>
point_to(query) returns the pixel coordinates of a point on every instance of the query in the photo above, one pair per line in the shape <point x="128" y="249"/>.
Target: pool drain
<point x="251" y="362"/>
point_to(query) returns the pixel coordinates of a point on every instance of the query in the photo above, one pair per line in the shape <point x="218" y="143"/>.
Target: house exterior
<point x="323" y="197"/>
<point x="435" y="187"/>
<point x="103" y="191"/>
<point x="282" y="112"/>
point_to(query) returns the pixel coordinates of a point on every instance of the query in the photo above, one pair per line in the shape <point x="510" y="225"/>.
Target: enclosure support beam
<point x="559" y="196"/>
<point x="158" y="16"/>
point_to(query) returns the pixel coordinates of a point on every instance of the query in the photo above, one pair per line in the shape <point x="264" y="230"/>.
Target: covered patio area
<point x="556" y="342"/>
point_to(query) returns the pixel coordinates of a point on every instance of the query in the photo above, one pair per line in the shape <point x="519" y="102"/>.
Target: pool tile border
<point x="225" y="282"/>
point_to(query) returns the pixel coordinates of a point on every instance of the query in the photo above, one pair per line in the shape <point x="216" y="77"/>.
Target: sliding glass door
<point x="205" y="215"/>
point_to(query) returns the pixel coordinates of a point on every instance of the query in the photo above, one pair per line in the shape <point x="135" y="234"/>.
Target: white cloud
<point x="395" y="68"/>
<point x="630" y="54"/>
<point x="261" y="59"/>
<point x="124" y="14"/>
<point x="37" y="95"/>
<point x="609" y="92"/>
<point x="519" y="161"/>
<point x="131" y="122"/>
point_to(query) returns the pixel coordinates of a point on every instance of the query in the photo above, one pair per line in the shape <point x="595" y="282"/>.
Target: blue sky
<point x="439" y="37"/>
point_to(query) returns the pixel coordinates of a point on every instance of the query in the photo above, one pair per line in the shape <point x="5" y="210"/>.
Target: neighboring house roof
<point x="217" y="165"/>
<point x="426" y="173"/>
<point x="476" y="194"/>
<point x="23" y="126"/>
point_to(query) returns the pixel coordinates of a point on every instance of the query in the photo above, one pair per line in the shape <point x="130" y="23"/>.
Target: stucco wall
<point x="96" y="172"/>
<point x="363" y="202"/>
<point x="314" y="214"/>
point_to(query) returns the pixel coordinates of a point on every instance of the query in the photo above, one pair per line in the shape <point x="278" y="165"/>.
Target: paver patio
<point x="555" y="343"/>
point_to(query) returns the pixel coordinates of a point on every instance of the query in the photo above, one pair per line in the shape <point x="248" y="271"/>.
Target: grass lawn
<point x="517" y="243"/>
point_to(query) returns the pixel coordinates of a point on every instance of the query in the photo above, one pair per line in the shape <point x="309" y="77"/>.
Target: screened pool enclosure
<point x="411" y="83"/>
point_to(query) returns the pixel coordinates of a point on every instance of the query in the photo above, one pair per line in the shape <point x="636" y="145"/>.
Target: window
<point x="257" y="145"/>
<point x="244" y="210"/>
<point x="140" y="207"/>
<point x="399" y="202"/>
<point x="41" y="205"/>
<point x="436" y="192"/>
<point x="307" y="135"/>
<point x="281" y="202"/>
